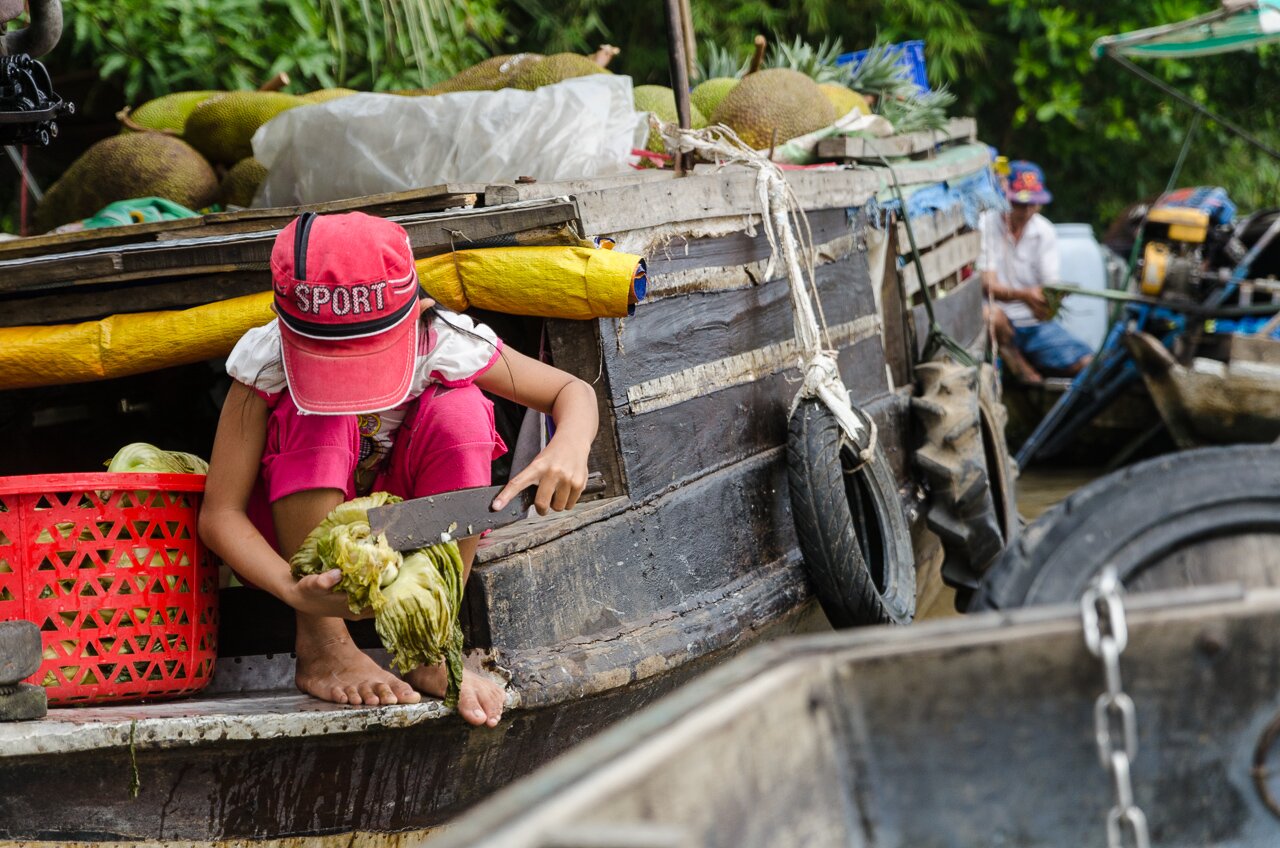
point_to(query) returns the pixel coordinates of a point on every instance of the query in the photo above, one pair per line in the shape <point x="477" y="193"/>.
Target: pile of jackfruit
<point x="195" y="147"/>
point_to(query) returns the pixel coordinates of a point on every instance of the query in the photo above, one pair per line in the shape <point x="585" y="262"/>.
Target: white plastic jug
<point x="1083" y="265"/>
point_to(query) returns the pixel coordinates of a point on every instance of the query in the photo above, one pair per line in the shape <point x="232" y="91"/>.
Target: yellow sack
<point x="548" y="282"/>
<point x="121" y="345"/>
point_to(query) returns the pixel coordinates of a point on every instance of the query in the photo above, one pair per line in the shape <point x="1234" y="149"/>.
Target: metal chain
<point x="1115" y="726"/>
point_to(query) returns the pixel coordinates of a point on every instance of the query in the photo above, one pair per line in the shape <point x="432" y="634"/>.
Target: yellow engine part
<point x="1155" y="267"/>
<point x="1185" y="225"/>
<point x="549" y="282"/>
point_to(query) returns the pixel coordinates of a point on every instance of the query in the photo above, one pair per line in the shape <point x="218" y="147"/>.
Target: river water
<point x="1042" y="488"/>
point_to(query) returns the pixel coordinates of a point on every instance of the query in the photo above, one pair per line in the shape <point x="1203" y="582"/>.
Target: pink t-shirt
<point x="453" y="351"/>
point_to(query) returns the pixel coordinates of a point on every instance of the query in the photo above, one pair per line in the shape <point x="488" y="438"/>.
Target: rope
<point x="782" y="217"/>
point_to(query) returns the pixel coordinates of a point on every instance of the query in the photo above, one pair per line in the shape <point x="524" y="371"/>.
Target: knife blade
<point x="419" y="522"/>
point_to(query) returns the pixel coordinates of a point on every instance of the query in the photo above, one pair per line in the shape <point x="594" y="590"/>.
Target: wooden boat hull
<point x="690" y="556"/>
<point x="860" y="738"/>
<point x="391" y="769"/>
<point x="1211" y="401"/>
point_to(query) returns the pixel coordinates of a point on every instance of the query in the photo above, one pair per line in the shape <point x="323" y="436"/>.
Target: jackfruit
<point x="490" y="75"/>
<point x="844" y="99"/>
<point x="708" y="94"/>
<point x="241" y="183"/>
<point x="553" y="69"/>
<point x="774" y="100"/>
<point x="140" y="164"/>
<point x="324" y="95"/>
<point x="661" y="101"/>
<point x="168" y="112"/>
<point x="222" y="127"/>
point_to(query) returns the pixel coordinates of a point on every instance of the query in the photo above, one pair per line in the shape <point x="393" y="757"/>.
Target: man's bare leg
<point x="480" y="699"/>
<point x="330" y="666"/>
<point x="1079" y="366"/>
<point x="1002" y="329"/>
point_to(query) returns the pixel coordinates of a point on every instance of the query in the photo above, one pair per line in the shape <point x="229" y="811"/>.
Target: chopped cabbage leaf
<point x="415" y="599"/>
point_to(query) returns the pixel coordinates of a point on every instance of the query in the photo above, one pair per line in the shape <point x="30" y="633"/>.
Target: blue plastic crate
<point x="910" y="55"/>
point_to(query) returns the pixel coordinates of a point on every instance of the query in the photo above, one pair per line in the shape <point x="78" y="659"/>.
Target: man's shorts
<point x="1049" y="347"/>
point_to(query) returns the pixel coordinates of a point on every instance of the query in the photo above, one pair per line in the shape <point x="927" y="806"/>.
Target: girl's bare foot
<point x="480" y="699"/>
<point x="332" y="668"/>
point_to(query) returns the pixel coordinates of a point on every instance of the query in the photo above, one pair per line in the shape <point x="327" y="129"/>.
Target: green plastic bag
<point x="138" y="210"/>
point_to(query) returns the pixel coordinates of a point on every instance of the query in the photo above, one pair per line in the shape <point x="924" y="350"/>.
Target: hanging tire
<point x="967" y="467"/>
<point x="853" y="536"/>
<point x="1190" y="518"/>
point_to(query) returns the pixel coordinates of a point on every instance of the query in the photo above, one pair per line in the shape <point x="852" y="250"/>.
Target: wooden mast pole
<point x="690" y="38"/>
<point x="679" y="74"/>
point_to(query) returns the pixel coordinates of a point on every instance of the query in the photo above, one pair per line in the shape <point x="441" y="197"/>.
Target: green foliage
<point x="1104" y="137"/>
<point x="157" y="46"/>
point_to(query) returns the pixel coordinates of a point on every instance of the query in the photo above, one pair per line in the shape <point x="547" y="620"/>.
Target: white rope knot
<point x="782" y="217"/>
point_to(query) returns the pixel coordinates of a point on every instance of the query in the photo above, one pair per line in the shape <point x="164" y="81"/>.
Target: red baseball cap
<point x="346" y="295"/>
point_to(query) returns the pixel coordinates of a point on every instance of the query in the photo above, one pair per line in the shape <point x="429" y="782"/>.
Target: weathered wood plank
<point x="428" y="233"/>
<point x="740" y="248"/>
<point x="428" y="199"/>
<point x="959" y="313"/>
<point x="961" y="162"/>
<point x="643" y="561"/>
<point x="673" y="334"/>
<point x="931" y="229"/>
<point x="943" y="261"/>
<point x="721" y="374"/>
<point x="906" y="144"/>
<point x="94" y="302"/>
<point x="576" y="348"/>
<point x="668" y="446"/>
<point x="633" y="204"/>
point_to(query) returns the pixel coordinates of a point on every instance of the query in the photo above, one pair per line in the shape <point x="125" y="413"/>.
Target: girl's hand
<point x="314" y="595"/>
<point x="560" y="473"/>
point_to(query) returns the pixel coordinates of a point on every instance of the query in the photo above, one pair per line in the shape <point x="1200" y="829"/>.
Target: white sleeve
<point x="463" y="350"/>
<point x="256" y="360"/>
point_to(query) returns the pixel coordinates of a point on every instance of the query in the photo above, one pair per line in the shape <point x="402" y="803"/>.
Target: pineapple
<point x="719" y="62"/>
<point x="879" y="74"/>
<point x="918" y="110"/>
<point x="819" y="62"/>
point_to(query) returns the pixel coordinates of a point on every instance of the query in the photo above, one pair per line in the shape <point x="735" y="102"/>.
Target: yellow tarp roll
<point x="551" y="282"/>
<point x="548" y="282"/>
<point x="126" y="344"/>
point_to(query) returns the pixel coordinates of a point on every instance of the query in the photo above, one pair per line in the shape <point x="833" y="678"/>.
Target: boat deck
<point x="194" y="721"/>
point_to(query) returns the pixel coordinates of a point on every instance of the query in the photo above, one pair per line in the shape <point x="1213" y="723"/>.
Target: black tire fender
<point x="1146" y="520"/>
<point x="965" y="461"/>
<point x="854" y="538"/>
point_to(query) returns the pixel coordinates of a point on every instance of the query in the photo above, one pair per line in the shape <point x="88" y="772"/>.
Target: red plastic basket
<point x="110" y="567"/>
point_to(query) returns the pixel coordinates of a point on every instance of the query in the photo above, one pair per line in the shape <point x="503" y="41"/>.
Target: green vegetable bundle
<point x="415" y="599"/>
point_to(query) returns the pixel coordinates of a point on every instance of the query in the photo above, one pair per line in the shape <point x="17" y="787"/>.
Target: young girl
<point x="361" y="385"/>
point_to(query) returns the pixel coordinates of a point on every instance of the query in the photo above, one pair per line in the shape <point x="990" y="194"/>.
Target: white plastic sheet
<point x="373" y="143"/>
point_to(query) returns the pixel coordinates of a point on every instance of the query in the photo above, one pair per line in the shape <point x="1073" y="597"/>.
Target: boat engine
<point x="1181" y="232"/>
<point x="29" y="107"/>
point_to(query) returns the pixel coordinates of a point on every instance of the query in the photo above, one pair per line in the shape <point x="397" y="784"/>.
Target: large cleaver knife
<point x="416" y="523"/>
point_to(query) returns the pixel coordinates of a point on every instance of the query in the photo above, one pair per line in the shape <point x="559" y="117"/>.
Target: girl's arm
<point x="560" y="470"/>
<point x="225" y="526"/>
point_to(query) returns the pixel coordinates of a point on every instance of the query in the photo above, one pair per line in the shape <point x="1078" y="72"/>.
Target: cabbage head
<point x="141" y="457"/>
<point x="415" y="599"/>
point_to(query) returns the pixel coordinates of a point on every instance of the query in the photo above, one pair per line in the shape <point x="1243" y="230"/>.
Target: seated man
<point x="1019" y="255"/>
